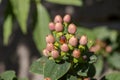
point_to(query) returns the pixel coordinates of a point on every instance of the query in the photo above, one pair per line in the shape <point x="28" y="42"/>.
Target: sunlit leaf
<point x="99" y="66"/>
<point x="7" y="29"/>
<point x="102" y="32"/>
<point x="114" y="60"/>
<point x="8" y="75"/>
<point x="21" y="10"/>
<point x="41" y="28"/>
<point x="67" y="2"/>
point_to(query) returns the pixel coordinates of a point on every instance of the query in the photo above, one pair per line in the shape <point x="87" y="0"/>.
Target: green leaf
<point x="23" y="79"/>
<point x="93" y="59"/>
<point x="0" y="1"/>
<point x="114" y="60"/>
<point x="72" y="78"/>
<point x="112" y="76"/>
<point x="55" y="70"/>
<point x="8" y="75"/>
<point x="41" y="28"/>
<point x="7" y="29"/>
<point x="113" y="36"/>
<point x="89" y="33"/>
<point x="67" y="2"/>
<point x="21" y="10"/>
<point x="38" y="66"/>
<point x="102" y="32"/>
<point x="99" y="66"/>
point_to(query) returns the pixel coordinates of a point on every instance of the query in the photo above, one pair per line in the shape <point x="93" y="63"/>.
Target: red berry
<point x="67" y="18"/>
<point x="73" y="41"/>
<point x="51" y="26"/>
<point x="83" y="40"/>
<point x="50" y="46"/>
<point x="55" y="54"/>
<point x="72" y="28"/>
<point x="64" y="47"/>
<point x="46" y="52"/>
<point x="50" y="39"/>
<point x="62" y="40"/>
<point x="58" y="27"/>
<point x="76" y="53"/>
<point x="58" y="19"/>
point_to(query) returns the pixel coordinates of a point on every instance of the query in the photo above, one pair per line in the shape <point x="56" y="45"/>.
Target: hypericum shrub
<point x="67" y="55"/>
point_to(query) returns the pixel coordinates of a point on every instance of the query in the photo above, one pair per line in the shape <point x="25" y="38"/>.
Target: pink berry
<point x="50" y="39"/>
<point x="64" y="47"/>
<point x="58" y="19"/>
<point x="50" y="46"/>
<point x="58" y="27"/>
<point x="72" y="28"/>
<point x="51" y="26"/>
<point x="83" y="40"/>
<point x="67" y="18"/>
<point x="76" y="53"/>
<point x="73" y="41"/>
<point x="108" y="49"/>
<point x="55" y="54"/>
<point x="46" y="52"/>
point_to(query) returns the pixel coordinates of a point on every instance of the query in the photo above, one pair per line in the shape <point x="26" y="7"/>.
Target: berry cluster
<point x="63" y="43"/>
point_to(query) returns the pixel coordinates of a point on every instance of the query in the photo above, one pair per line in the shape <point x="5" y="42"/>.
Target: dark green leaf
<point x="114" y="60"/>
<point x="8" y="75"/>
<point x="41" y="28"/>
<point x="91" y="71"/>
<point x="7" y="29"/>
<point x="38" y="65"/>
<point x="67" y="2"/>
<point x="54" y="70"/>
<point x="21" y="10"/>
<point x="112" y="76"/>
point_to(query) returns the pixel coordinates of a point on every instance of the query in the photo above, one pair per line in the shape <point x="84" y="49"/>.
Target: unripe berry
<point x="50" y="39"/>
<point x="55" y="54"/>
<point x="46" y="52"/>
<point x="95" y="48"/>
<point x="47" y="79"/>
<point x="64" y="47"/>
<point x="50" y="46"/>
<point x="73" y="41"/>
<point x="58" y="27"/>
<point x="51" y="26"/>
<point x="58" y="19"/>
<point x="76" y="53"/>
<point x="67" y="18"/>
<point x="72" y="28"/>
<point x="83" y="40"/>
